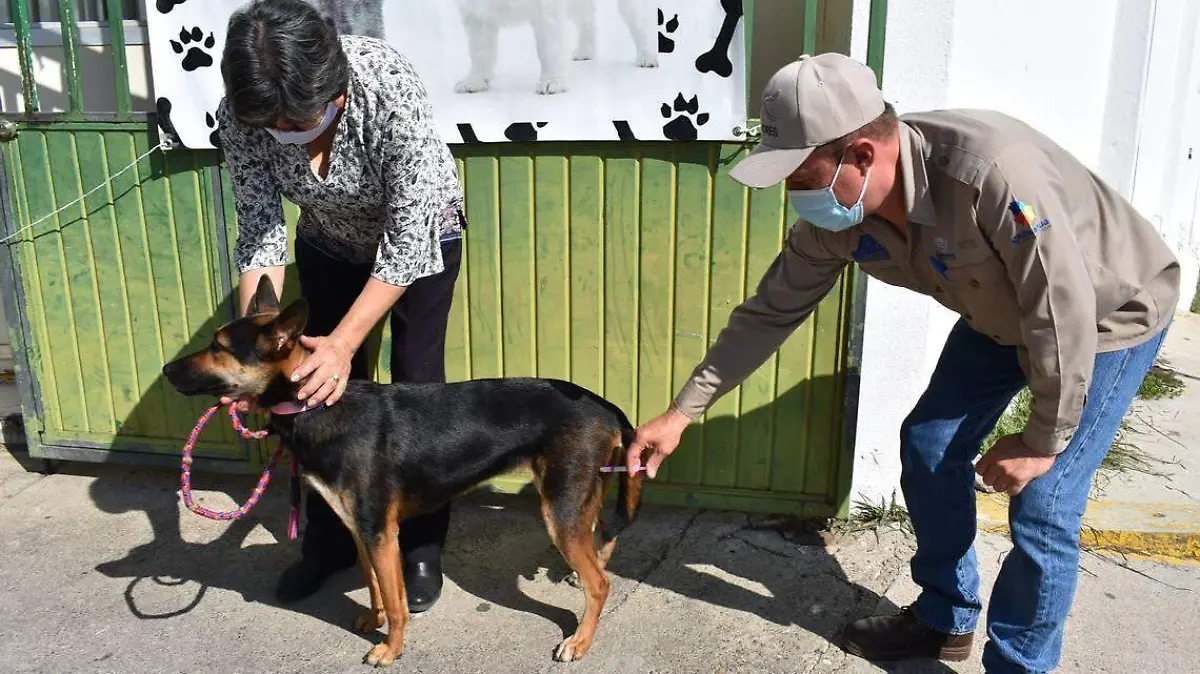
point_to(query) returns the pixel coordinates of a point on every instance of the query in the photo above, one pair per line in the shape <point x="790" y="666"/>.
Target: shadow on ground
<point x="740" y="566"/>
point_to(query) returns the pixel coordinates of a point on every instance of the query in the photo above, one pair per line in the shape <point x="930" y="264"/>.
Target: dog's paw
<point x="472" y="85"/>
<point x="647" y="60"/>
<point x="573" y="580"/>
<point x="369" y="621"/>
<point x="573" y="648"/>
<point x="584" y="52"/>
<point x="549" y="86"/>
<point x="381" y="656"/>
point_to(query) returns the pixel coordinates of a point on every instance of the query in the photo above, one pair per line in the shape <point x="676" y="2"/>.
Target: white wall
<point x="1107" y="79"/>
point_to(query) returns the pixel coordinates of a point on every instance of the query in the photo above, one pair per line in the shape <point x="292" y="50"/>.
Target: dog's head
<point x="247" y="356"/>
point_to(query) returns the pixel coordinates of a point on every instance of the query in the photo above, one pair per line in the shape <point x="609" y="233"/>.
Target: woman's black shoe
<point x="422" y="585"/>
<point x="305" y="577"/>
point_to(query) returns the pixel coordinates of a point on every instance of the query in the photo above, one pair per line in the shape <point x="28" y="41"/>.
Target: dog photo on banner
<point x="502" y="70"/>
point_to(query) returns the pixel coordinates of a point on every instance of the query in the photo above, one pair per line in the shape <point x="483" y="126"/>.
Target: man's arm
<point x="1023" y="209"/>
<point x="795" y="283"/>
<point x="791" y="288"/>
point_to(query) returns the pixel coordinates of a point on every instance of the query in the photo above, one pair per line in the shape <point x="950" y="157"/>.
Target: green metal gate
<point x="610" y="264"/>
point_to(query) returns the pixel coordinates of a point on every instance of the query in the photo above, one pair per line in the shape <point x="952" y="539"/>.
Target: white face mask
<point x="306" y="137"/>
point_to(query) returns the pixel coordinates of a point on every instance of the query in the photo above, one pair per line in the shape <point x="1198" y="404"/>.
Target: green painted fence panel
<point x="113" y="286"/>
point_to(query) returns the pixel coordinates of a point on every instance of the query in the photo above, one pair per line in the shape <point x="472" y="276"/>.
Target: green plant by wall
<point x="1159" y="383"/>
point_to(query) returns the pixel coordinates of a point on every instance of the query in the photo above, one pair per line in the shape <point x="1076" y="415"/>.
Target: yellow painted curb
<point x="1162" y="531"/>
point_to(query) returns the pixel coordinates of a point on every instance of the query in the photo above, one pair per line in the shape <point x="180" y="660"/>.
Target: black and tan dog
<point x="384" y="453"/>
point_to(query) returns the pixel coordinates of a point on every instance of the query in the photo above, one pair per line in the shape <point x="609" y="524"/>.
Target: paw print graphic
<point x="195" y="48"/>
<point x="666" y="28"/>
<point x="685" y="116"/>
<point x="214" y="138"/>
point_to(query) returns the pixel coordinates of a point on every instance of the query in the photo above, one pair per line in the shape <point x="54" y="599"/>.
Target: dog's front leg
<point x="641" y="29"/>
<point x="584" y="14"/>
<point x="385" y="560"/>
<point x="550" y="26"/>
<point x="482" y="35"/>
<point x="373" y="619"/>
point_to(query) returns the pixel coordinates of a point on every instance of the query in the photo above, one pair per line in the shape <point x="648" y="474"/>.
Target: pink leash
<point x="259" y="489"/>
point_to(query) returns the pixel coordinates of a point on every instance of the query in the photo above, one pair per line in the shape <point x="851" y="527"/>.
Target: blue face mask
<point x="821" y="208"/>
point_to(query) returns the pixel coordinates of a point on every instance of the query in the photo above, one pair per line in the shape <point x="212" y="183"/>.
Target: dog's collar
<point x="290" y="408"/>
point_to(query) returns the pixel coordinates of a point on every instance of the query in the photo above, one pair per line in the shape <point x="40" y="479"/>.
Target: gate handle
<point x="8" y="130"/>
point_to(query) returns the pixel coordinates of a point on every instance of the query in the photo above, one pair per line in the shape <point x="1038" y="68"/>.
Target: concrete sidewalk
<point x="101" y="571"/>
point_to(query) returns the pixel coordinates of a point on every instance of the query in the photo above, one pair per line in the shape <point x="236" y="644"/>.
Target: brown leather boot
<point x="899" y="637"/>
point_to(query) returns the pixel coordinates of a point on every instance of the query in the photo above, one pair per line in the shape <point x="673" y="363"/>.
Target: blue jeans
<point x="974" y="382"/>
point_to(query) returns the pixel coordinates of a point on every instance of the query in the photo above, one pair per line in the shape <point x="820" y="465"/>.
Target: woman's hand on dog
<point x="325" y="370"/>
<point x="660" y="436"/>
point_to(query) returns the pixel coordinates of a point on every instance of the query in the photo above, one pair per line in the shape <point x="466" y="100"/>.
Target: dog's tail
<point x="629" y="488"/>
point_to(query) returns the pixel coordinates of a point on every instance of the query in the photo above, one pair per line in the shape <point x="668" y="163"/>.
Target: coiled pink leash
<point x="265" y="479"/>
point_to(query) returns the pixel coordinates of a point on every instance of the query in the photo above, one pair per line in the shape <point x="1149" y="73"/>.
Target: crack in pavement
<point x="669" y="548"/>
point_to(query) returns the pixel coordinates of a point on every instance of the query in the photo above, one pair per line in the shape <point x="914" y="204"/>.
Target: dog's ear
<point x="265" y="301"/>
<point x="287" y="327"/>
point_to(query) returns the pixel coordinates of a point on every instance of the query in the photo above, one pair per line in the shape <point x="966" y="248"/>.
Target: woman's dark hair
<point x="282" y="62"/>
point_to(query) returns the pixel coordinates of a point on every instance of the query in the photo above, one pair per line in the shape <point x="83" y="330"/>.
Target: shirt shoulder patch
<point x="1027" y="221"/>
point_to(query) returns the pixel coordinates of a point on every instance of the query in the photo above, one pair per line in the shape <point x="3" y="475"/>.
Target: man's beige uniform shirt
<point x="1007" y="229"/>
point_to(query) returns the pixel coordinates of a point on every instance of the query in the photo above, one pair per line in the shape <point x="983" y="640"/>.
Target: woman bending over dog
<point x="341" y="126"/>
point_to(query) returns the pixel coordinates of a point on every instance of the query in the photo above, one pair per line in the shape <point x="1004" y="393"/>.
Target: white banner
<point x="629" y="69"/>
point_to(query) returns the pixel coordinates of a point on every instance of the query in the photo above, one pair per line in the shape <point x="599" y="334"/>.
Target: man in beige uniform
<point x="1061" y="286"/>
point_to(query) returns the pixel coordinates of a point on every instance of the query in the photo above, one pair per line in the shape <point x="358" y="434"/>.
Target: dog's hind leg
<point x="584" y="14"/>
<point x="482" y="36"/>
<point x="607" y="544"/>
<point x="641" y="30"/>
<point x="574" y="539"/>
<point x="369" y="18"/>
<point x="550" y="26"/>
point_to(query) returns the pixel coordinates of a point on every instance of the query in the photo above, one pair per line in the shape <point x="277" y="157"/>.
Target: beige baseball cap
<point x="808" y="103"/>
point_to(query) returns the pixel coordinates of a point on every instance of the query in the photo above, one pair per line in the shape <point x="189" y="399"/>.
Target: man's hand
<point x="661" y="436"/>
<point x="1009" y="466"/>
